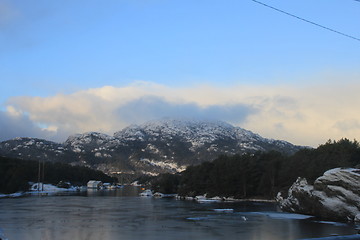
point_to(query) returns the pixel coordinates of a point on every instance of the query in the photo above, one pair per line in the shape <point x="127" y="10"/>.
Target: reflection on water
<point x="121" y="214"/>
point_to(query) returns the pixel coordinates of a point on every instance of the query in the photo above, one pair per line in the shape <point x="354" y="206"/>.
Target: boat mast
<point x="38" y="186"/>
<point x="43" y="176"/>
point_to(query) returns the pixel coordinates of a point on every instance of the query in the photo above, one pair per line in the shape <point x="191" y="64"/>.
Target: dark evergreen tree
<point x="262" y="174"/>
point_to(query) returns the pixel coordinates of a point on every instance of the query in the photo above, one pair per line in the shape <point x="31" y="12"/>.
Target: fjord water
<point x="122" y="214"/>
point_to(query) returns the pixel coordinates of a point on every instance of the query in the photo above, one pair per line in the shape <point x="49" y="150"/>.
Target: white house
<point x="93" y="184"/>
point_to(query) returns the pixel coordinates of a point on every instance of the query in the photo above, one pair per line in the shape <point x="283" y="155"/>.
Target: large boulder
<point x="334" y="196"/>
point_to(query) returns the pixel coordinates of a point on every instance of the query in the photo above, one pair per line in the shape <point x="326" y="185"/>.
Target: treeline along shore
<point x="16" y="174"/>
<point x="260" y="175"/>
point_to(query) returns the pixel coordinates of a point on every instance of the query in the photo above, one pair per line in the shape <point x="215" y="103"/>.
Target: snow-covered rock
<point x="146" y="193"/>
<point x="298" y="197"/>
<point x="357" y="218"/>
<point x="205" y="199"/>
<point x="335" y="196"/>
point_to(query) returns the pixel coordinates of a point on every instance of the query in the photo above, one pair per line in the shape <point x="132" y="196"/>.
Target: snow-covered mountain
<point x="167" y="145"/>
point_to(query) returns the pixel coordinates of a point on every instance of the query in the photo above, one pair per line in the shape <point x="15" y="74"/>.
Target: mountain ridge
<point x="166" y="145"/>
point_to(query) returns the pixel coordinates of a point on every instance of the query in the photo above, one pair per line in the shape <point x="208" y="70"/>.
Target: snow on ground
<point x="164" y="165"/>
<point x="44" y="189"/>
<point x="49" y="188"/>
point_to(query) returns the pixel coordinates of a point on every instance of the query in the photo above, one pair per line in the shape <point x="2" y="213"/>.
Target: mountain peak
<point x="168" y="127"/>
<point x="165" y="145"/>
<point x="86" y="141"/>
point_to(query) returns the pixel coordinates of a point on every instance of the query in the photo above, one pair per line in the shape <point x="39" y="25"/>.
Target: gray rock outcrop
<point x="334" y="196"/>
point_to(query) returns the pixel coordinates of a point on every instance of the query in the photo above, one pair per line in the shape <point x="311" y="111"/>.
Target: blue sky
<point x="244" y="60"/>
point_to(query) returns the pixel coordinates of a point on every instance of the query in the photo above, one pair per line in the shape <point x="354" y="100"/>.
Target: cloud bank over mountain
<point x="15" y="125"/>
<point x="306" y="115"/>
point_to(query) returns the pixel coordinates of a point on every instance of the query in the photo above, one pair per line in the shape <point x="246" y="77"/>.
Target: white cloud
<point x="15" y="125"/>
<point x="13" y="112"/>
<point x="307" y="115"/>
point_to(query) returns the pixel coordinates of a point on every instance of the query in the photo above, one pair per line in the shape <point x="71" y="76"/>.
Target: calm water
<point x="122" y="215"/>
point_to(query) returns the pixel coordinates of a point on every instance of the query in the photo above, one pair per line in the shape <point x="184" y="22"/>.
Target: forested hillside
<point x="15" y="174"/>
<point x="259" y="175"/>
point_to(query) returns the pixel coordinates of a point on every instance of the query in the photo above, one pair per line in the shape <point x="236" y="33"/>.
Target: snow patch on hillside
<point x="164" y="165"/>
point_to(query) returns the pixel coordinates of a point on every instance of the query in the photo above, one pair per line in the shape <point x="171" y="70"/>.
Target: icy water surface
<point x="122" y="215"/>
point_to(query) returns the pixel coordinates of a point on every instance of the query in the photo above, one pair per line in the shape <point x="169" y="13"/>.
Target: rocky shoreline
<point x="334" y="196"/>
